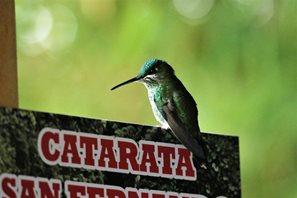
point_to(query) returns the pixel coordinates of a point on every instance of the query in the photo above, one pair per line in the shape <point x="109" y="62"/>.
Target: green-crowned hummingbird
<point x="173" y="106"/>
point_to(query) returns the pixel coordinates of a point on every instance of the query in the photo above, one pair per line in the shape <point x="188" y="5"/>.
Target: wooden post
<point x="8" y="63"/>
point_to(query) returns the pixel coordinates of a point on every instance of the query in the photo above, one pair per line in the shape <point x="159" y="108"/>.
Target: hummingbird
<point x="172" y="105"/>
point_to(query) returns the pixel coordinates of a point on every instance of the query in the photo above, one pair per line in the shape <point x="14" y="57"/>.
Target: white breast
<point x="156" y="112"/>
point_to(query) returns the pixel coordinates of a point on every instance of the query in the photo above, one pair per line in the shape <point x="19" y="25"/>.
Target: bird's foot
<point x="203" y="165"/>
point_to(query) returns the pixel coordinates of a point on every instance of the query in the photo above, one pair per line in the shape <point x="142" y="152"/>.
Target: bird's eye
<point x="152" y="71"/>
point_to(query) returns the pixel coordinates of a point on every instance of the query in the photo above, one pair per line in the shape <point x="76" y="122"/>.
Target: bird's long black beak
<point x="126" y="82"/>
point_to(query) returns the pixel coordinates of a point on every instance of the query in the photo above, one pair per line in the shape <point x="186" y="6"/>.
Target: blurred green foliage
<point x="236" y="57"/>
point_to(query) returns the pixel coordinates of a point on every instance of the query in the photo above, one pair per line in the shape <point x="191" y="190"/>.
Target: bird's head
<point x="152" y="72"/>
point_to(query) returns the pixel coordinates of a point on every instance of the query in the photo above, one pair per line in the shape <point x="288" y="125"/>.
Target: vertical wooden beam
<point x="8" y="63"/>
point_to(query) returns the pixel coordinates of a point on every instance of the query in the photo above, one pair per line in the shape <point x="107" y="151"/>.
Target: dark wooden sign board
<point x="22" y="151"/>
<point x="21" y="154"/>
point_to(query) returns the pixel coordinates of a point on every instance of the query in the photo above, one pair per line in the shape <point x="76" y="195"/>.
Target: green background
<point x="236" y="57"/>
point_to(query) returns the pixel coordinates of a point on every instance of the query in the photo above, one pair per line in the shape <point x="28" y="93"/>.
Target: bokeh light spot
<point x="193" y="9"/>
<point x="64" y="28"/>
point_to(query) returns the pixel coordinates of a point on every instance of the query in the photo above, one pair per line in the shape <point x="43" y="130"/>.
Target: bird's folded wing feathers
<point x="180" y="131"/>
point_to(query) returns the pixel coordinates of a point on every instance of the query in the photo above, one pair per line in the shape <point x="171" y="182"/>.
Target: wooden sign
<point x="50" y="155"/>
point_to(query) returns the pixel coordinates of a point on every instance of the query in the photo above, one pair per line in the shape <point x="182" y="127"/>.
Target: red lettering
<point x="144" y="195"/>
<point x="167" y="154"/>
<point x="158" y="195"/>
<point x="118" y="193"/>
<point x="70" y="149"/>
<point x="89" y="144"/>
<point x="47" y="191"/>
<point x="184" y="163"/>
<point x="148" y="157"/>
<point x="172" y="196"/>
<point x="133" y="193"/>
<point x="115" y="154"/>
<point x="8" y="185"/>
<point x="128" y="152"/>
<point x="47" y="143"/>
<point x="93" y="192"/>
<point x="27" y="186"/>
<point x="107" y="152"/>
<point x="75" y="191"/>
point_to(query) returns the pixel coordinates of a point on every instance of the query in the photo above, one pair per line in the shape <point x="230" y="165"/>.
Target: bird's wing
<point x="180" y="130"/>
